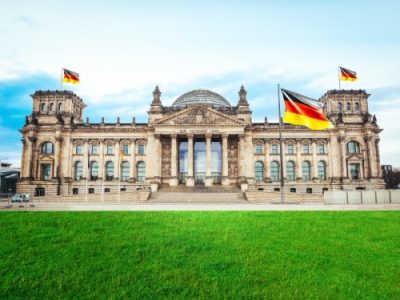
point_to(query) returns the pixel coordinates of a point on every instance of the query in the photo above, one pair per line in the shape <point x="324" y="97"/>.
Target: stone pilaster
<point x="329" y="169"/>
<point x="299" y="174"/>
<point x="85" y="162"/>
<point x="343" y="156"/>
<point x="241" y="156"/>
<point x="368" y="142"/>
<point x="117" y="168"/>
<point x="378" y="159"/>
<point x="190" y="178"/>
<point x="101" y="160"/>
<point x="133" y="162"/>
<point x="173" y="181"/>
<point x="31" y="146"/>
<point x="225" y="177"/>
<point x="34" y="167"/>
<point x="57" y="154"/>
<point x="209" y="179"/>
<point x="267" y="171"/>
<point x="314" y="166"/>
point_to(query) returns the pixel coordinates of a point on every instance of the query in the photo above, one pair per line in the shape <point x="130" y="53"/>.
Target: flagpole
<point x="281" y="149"/>
<point x="87" y="175"/>
<point x="102" y="185"/>
<point x="62" y="73"/>
<point x="119" y="173"/>
<point x="339" y="78"/>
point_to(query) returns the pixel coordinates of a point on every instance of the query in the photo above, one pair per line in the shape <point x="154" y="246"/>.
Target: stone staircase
<point x="290" y="198"/>
<point x="197" y="195"/>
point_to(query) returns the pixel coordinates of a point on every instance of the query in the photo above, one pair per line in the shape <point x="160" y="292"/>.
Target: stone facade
<point x="57" y="142"/>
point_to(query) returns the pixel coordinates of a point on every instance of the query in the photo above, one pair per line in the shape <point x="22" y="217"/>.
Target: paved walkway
<point x="196" y="207"/>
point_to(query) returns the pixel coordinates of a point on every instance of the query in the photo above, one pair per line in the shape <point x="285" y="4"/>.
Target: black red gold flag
<point x="70" y="77"/>
<point x="347" y="75"/>
<point x="301" y="110"/>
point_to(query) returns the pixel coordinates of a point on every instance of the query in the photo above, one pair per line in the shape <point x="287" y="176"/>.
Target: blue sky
<point x="122" y="49"/>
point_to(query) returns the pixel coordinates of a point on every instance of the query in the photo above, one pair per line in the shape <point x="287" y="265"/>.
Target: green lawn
<point x="200" y="255"/>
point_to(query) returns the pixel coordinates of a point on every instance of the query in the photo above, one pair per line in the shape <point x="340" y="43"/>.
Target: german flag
<point x="71" y="77"/>
<point x="301" y="110"/>
<point x="347" y="75"/>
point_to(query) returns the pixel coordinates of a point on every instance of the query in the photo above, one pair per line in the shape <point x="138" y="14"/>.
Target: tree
<point x="392" y="178"/>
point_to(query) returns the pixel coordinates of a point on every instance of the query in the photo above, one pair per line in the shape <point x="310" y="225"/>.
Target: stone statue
<point x="340" y="118"/>
<point x="374" y="120"/>
<point x="26" y="120"/>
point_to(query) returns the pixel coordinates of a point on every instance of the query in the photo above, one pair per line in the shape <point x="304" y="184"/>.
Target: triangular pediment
<point x="46" y="157"/>
<point x="199" y="115"/>
<point x="354" y="157"/>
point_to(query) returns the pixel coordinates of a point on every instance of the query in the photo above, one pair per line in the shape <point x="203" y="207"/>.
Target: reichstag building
<point x="201" y="139"/>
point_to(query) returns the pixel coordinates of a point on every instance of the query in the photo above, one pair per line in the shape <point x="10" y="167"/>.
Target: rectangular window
<point x="125" y="149"/>
<point x="354" y="171"/>
<point x="78" y="149"/>
<point x="321" y="149"/>
<point x="274" y="149"/>
<point x="46" y="172"/>
<point x="94" y="149"/>
<point x="290" y="149"/>
<point x="258" y="149"/>
<point x="141" y="149"/>
<point x="109" y="149"/>
<point x="306" y="149"/>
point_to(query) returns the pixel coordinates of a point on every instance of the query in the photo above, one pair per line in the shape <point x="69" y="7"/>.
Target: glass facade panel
<point x="216" y="158"/>
<point x="183" y="160"/>
<point x="200" y="160"/>
<point x="274" y="171"/>
<point x="141" y="171"/>
<point x="94" y="171"/>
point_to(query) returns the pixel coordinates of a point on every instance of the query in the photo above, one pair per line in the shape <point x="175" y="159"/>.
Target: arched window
<point x="259" y="171"/>
<point x="44" y="107"/>
<point x="356" y="106"/>
<point x="290" y="170"/>
<point x="47" y="148"/>
<point x="94" y="172"/>
<point x="109" y="171"/>
<point x="306" y="170"/>
<point x="60" y="107"/>
<point x="125" y="171"/>
<point x="51" y="106"/>
<point x="348" y="106"/>
<point x="141" y="171"/>
<point x="321" y="170"/>
<point x="274" y="171"/>
<point x="353" y="147"/>
<point x="339" y="106"/>
<point x="78" y="170"/>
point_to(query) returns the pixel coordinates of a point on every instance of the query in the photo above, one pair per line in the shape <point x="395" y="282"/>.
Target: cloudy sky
<point x="123" y="49"/>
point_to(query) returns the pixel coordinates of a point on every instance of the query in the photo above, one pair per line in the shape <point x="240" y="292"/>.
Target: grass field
<point x="200" y="255"/>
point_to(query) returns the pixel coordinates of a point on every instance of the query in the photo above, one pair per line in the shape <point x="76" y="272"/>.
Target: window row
<point x="348" y="106"/>
<point x="290" y="149"/>
<point x="290" y="171"/>
<point x="52" y="107"/>
<point x="109" y="171"/>
<point x="109" y="149"/>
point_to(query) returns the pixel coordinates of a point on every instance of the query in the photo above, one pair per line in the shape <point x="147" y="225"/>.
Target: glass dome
<point x="201" y="96"/>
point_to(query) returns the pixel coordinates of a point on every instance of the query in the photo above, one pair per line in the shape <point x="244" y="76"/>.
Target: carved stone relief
<point x="166" y="156"/>
<point x="232" y="156"/>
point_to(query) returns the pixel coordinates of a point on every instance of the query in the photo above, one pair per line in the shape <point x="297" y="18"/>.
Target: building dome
<point x="201" y="96"/>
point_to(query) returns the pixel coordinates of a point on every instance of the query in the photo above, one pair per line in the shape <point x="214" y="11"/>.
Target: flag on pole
<point x="301" y="110"/>
<point x="347" y="75"/>
<point x="121" y="154"/>
<point x="70" y="77"/>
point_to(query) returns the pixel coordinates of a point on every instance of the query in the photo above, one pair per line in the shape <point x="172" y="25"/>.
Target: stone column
<point x="190" y="178"/>
<point x="117" y="170"/>
<point x="225" y="177"/>
<point x="368" y="141"/>
<point x="343" y="156"/>
<point x="57" y="154"/>
<point x="157" y="156"/>
<point x="29" y="167"/>
<point x="35" y="168"/>
<point x="330" y="167"/>
<point x="267" y="170"/>
<point x="209" y="179"/>
<point x="133" y="162"/>
<point x="241" y="156"/>
<point x="378" y="159"/>
<point x="299" y="174"/>
<point x="174" y="161"/>
<point x="315" y="161"/>
<point x="101" y="160"/>
<point x="85" y="170"/>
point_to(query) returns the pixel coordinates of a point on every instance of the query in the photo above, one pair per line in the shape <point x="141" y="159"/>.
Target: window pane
<point x="94" y="149"/>
<point x="125" y="149"/>
<point x="305" y="149"/>
<point x="78" y="170"/>
<point x="306" y="171"/>
<point x="290" y="149"/>
<point x="141" y="171"/>
<point x="259" y="172"/>
<point x="274" y="149"/>
<point x="274" y="171"/>
<point x="356" y="106"/>
<point x="339" y="106"/>
<point x="49" y="148"/>
<point x="321" y="149"/>
<point x="109" y="149"/>
<point x="78" y="149"/>
<point x="321" y="170"/>
<point x="348" y="106"/>
<point x="125" y="171"/>
<point x="290" y="171"/>
<point x="258" y="149"/>
<point x="354" y="171"/>
<point x="141" y="149"/>
<point x="109" y="171"/>
<point x="46" y="172"/>
<point x="94" y="171"/>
